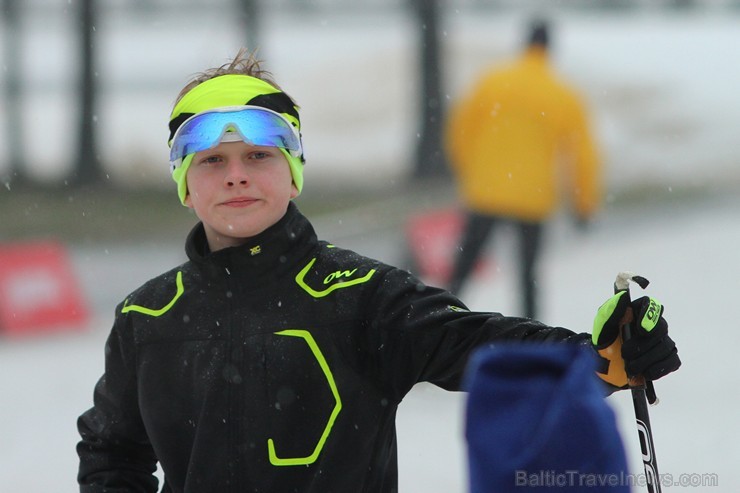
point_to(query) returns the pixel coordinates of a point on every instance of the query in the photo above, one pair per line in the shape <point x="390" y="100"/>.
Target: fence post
<point x="87" y="168"/>
<point x="430" y="158"/>
<point x="13" y="94"/>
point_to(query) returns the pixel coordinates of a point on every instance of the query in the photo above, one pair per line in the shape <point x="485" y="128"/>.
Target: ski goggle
<point x="254" y="124"/>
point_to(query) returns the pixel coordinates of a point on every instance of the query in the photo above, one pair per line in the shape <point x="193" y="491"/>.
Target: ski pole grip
<point x="622" y="284"/>
<point x="637" y="381"/>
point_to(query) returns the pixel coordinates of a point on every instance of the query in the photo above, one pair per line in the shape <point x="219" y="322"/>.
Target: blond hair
<point x="244" y="63"/>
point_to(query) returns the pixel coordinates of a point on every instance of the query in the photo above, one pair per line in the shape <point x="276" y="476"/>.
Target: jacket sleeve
<point x="426" y="334"/>
<point x="115" y="454"/>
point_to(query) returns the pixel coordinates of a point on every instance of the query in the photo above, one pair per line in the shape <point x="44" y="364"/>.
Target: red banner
<point x="38" y="289"/>
<point x="434" y="238"/>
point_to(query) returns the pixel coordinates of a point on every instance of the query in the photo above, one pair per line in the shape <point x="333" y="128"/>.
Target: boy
<point x="271" y="361"/>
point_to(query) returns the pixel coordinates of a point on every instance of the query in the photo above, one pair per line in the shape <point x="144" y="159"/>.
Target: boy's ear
<point x="293" y="190"/>
<point x="188" y="201"/>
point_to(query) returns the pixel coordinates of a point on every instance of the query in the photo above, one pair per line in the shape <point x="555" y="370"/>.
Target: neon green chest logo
<point x="156" y="312"/>
<point x="332" y="280"/>
<point x="309" y="459"/>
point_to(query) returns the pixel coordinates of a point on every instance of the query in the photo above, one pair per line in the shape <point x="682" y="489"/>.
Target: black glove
<point x="649" y="351"/>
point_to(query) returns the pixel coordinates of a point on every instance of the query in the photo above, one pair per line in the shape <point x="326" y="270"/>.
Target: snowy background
<point x="661" y="85"/>
<point x="663" y="89"/>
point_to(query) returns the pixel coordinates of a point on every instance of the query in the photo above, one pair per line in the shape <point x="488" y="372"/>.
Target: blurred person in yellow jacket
<point x="518" y="139"/>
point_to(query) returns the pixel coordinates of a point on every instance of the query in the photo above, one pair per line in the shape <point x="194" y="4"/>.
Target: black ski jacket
<point x="276" y="366"/>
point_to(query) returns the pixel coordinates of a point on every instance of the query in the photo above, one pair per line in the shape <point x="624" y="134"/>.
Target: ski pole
<point x="642" y="391"/>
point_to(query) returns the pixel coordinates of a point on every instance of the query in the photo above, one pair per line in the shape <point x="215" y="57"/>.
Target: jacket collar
<point x="273" y="251"/>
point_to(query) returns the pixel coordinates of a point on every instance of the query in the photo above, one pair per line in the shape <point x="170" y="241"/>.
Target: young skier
<point x="272" y="361"/>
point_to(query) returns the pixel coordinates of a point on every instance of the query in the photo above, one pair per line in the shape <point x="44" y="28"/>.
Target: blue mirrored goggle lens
<point x="256" y="127"/>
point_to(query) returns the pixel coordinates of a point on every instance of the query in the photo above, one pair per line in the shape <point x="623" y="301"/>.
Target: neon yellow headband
<point x="232" y="90"/>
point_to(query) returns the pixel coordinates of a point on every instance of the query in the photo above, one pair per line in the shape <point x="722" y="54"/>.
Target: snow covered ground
<point x="667" y="110"/>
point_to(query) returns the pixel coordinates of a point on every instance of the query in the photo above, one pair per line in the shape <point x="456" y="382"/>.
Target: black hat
<point x="539" y="33"/>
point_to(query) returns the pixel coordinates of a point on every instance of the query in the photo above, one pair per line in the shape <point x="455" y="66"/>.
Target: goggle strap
<point x="176" y="122"/>
<point x="276" y="101"/>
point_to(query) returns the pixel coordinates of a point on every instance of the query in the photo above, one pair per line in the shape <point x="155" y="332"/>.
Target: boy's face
<point x="238" y="190"/>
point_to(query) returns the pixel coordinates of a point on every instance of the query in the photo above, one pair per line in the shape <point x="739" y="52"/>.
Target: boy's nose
<point x="236" y="181"/>
<point x="236" y="175"/>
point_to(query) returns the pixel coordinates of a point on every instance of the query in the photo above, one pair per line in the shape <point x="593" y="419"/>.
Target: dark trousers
<point x="478" y="229"/>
